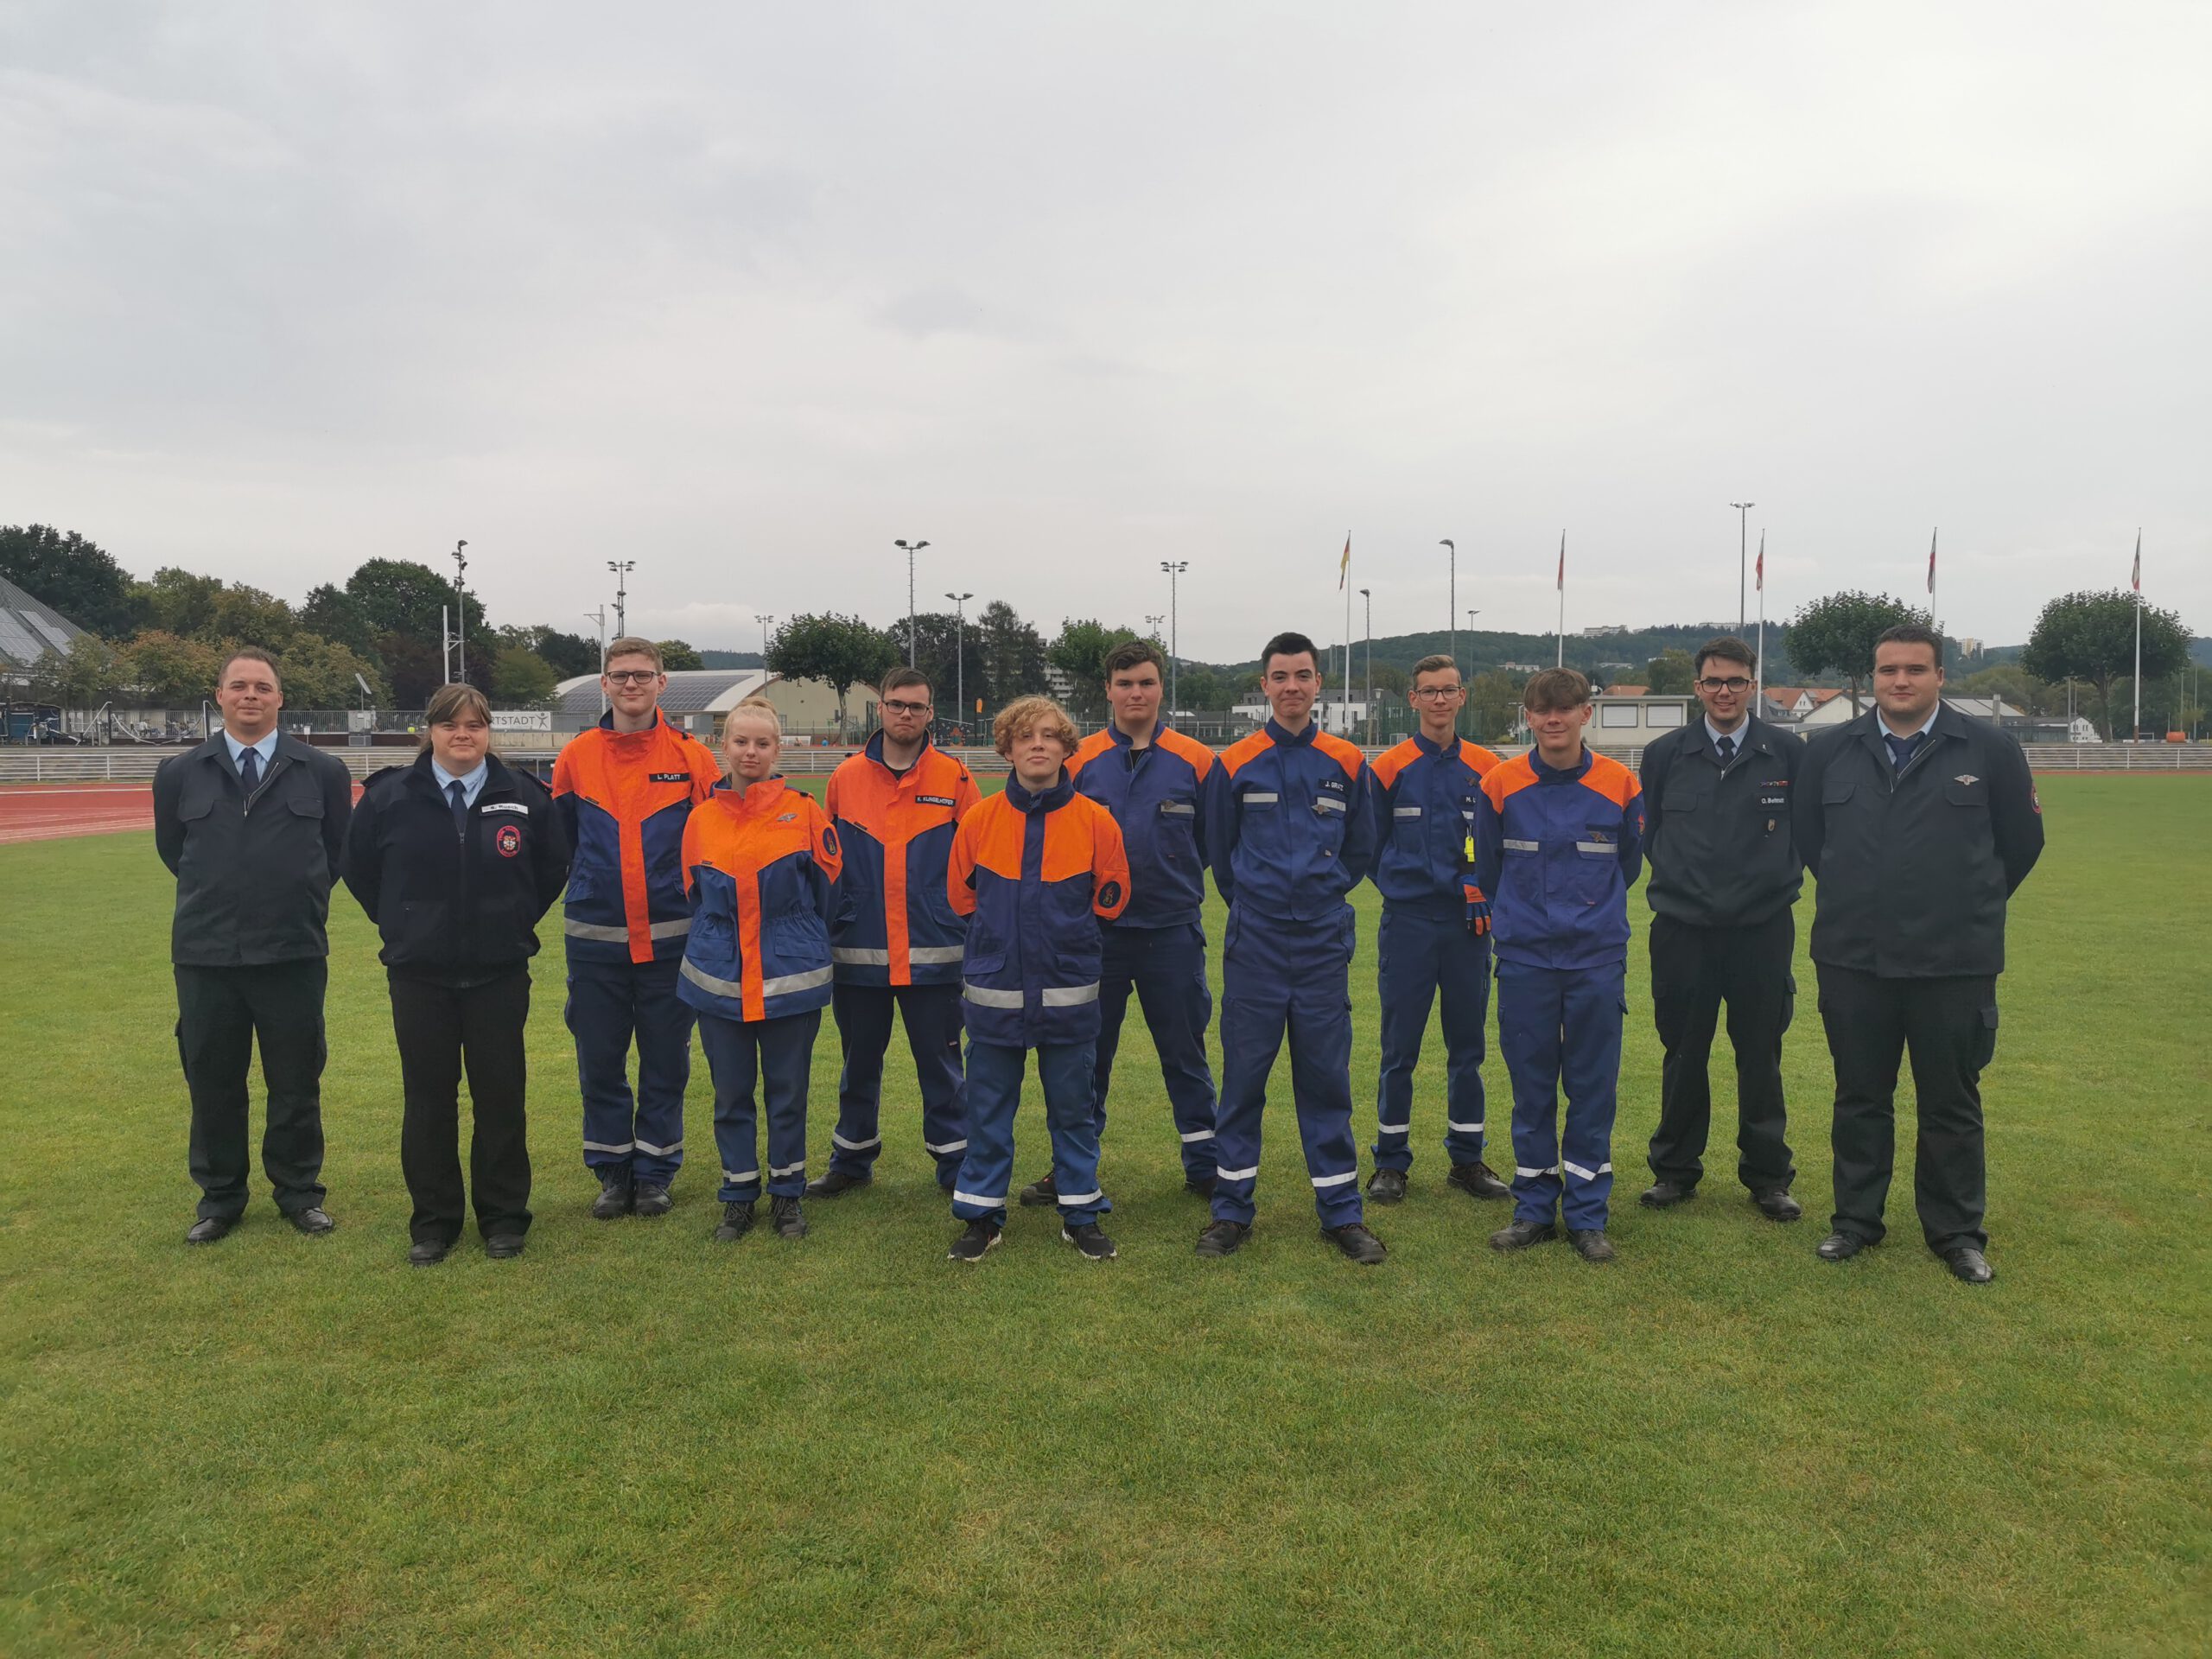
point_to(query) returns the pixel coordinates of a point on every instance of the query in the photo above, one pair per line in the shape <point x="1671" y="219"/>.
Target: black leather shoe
<point x="1356" y="1243"/>
<point x="1222" y="1238"/>
<point x="1203" y="1186"/>
<point x="1040" y="1193"/>
<point x="835" y="1183"/>
<point x="787" y="1217"/>
<point x="1387" y="1186"/>
<point x="501" y="1246"/>
<point x="1969" y="1264"/>
<point x="1520" y="1235"/>
<point x="1839" y="1247"/>
<point x="209" y="1228"/>
<point x="737" y="1222"/>
<point x="653" y="1200"/>
<point x="1477" y="1180"/>
<point x="1664" y="1194"/>
<point x="429" y="1252"/>
<point x="1591" y="1243"/>
<point x="312" y="1220"/>
<point x="615" y="1197"/>
<point x="1776" y="1203"/>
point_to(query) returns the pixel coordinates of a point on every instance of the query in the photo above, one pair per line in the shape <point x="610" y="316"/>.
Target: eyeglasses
<point x="1438" y="690"/>
<point x="899" y="706"/>
<point x="1734" y="683"/>
<point x="632" y="676"/>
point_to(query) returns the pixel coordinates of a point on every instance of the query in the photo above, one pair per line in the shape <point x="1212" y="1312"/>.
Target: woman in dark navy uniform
<point x="455" y="858"/>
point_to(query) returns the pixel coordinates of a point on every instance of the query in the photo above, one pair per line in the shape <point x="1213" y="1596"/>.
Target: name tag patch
<point x="668" y="777"/>
<point x="505" y="806"/>
<point x="933" y="800"/>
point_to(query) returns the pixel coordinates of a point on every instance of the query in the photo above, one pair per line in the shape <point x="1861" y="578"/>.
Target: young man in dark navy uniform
<point x="1725" y="877"/>
<point x="1919" y="825"/>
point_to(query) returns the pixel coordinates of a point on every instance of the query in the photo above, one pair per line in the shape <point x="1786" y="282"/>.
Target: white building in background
<point x="1622" y="726"/>
<point x="696" y="700"/>
<point x="1344" y="719"/>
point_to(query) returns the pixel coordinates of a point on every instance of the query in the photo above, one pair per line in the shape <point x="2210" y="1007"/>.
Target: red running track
<point x="59" y="811"/>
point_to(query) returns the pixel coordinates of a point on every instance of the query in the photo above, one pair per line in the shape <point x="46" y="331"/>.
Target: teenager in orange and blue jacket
<point x="623" y="790"/>
<point x="897" y="942"/>
<point x="1035" y="869"/>
<point x="761" y="861"/>
<point x="1559" y="841"/>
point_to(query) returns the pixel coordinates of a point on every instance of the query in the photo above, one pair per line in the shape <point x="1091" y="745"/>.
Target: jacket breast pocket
<point x="1682" y="800"/>
<point x="1178" y="822"/>
<point x="1591" y="876"/>
<point x="1971" y="793"/>
<point x="1406" y="823"/>
<point x="1332" y="813"/>
<point x="304" y="806"/>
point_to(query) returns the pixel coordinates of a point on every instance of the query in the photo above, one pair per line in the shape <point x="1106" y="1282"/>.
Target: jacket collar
<point x="498" y="777"/>
<point x="1421" y="742"/>
<point x="607" y="725"/>
<point x="1547" y="774"/>
<point x="1753" y="734"/>
<point x="1122" y="738"/>
<point x="763" y="797"/>
<point x="1948" y="722"/>
<point x="1292" y="739"/>
<point x="1045" y="800"/>
<point x="874" y="749"/>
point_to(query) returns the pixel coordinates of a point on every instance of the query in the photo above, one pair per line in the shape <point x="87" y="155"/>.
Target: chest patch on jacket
<point x="508" y="840"/>
<point x="668" y="777"/>
<point x="933" y="800"/>
<point x="1335" y="783"/>
<point x="1967" y="778"/>
<point x="505" y="806"/>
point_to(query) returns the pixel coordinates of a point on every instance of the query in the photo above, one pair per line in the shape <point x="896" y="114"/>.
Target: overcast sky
<point x="745" y="292"/>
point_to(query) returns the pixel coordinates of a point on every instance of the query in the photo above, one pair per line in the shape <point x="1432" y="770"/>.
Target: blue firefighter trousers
<point x="1288" y="978"/>
<point x="609" y="1002"/>
<point x="931" y="1013"/>
<point x="1424" y="955"/>
<point x="778" y="1056"/>
<point x="994" y="1091"/>
<point x="1166" y="968"/>
<point x="1555" y="1023"/>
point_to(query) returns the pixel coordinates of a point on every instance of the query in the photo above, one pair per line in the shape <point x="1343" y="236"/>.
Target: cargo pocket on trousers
<point x="1984" y="1040"/>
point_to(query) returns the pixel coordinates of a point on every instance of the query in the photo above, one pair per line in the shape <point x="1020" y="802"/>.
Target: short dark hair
<point x="450" y="702"/>
<point x="250" y="654"/>
<point x="1729" y="649"/>
<point x="1912" y="633"/>
<point x="1130" y="654"/>
<point x="1554" y="689"/>
<point x="1288" y="645"/>
<point x="1435" y="664"/>
<point x="899" y="678"/>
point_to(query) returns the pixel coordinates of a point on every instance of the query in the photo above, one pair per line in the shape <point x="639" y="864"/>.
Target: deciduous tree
<point x="1836" y="635"/>
<point x="78" y="578"/>
<point x="841" y="652"/>
<point x="2091" y="636"/>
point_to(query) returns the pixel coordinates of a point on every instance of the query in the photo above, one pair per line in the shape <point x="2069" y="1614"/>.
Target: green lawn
<point x="633" y="1439"/>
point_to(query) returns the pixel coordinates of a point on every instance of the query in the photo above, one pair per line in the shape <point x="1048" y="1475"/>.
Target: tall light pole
<point x="1743" y="544"/>
<point x="960" y="652"/>
<point x="621" y="567"/>
<point x="1174" y="568"/>
<point x="765" y="620"/>
<point x="461" y="604"/>
<point x="600" y="617"/>
<point x="1151" y="621"/>
<point x="1367" y="594"/>
<point x="1451" y="608"/>
<point x="910" y="549"/>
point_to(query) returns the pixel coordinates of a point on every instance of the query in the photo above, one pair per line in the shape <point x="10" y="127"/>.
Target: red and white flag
<point x="1932" y="561"/>
<point x="1758" y="570"/>
<point x="1562" y="562"/>
<point x="1344" y="565"/>
<point x="2137" y="578"/>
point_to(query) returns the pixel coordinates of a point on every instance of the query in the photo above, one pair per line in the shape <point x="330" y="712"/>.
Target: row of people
<point x="1027" y="922"/>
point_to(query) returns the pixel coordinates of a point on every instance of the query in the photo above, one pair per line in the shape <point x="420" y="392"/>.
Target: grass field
<point x="634" y="1441"/>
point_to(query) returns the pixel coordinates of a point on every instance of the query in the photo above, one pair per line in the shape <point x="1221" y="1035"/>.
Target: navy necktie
<point x="1727" y="747"/>
<point x="1902" y="749"/>
<point x="460" y="798"/>
<point x="250" y="769"/>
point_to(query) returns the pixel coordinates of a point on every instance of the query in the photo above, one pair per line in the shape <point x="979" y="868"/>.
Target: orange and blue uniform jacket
<point x="762" y="871"/>
<point x="1157" y="795"/>
<point x="1426" y="797"/>
<point x="1290" y="822"/>
<point x="623" y="797"/>
<point x="1035" y="874"/>
<point x="1557" y="850"/>
<point x="898" y="925"/>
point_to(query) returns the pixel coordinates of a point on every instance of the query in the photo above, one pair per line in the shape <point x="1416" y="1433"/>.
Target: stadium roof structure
<point x="29" y="627"/>
<point x="689" y="691"/>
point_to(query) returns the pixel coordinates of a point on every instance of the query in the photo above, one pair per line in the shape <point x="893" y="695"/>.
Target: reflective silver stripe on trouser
<point x="576" y="930"/>
<point x="1236" y="1174"/>
<point x="984" y="997"/>
<point x="1463" y="1128"/>
<point x="1077" y="1200"/>
<point x="1198" y="1135"/>
<point x="784" y="984"/>
<point x="1320" y="1181"/>
<point x="935" y="956"/>
<point x="1528" y="1175"/>
<point x="979" y="1200"/>
<point x="736" y="1180"/>
<point x="1586" y="1174"/>
<point x="776" y="1172"/>
<point x="945" y="1151"/>
<point x="601" y="1146"/>
<point x="856" y="957"/>
<point x="837" y="1139"/>
<point x="1595" y="847"/>
<point x="1405" y="1128"/>
<point x="660" y="1152"/>
<point x="1068" y="997"/>
<point x="1405" y="812"/>
<point x="1513" y="846"/>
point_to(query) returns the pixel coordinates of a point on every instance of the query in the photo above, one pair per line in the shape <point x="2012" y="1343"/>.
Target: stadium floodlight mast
<point x="621" y="567"/>
<point x="1743" y="542"/>
<point x="910" y="549"/>
<point x="600" y="617"/>
<point x="960" y="653"/>
<point x="1452" y="602"/>
<point x="766" y="622"/>
<point x="1174" y="568"/>
<point x="461" y="605"/>
<point x="1367" y="594"/>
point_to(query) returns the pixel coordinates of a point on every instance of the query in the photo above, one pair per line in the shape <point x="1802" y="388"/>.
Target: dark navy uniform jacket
<point x="1157" y="795"/>
<point x="1722" y="850"/>
<point x="1290" y="823"/>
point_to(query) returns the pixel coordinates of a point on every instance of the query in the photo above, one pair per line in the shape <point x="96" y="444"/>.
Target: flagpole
<point x="2135" y="732"/>
<point x="1758" y="669"/>
<point x="1938" y="626"/>
<point x="1559" y="660"/>
<point x="1347" y="585"/>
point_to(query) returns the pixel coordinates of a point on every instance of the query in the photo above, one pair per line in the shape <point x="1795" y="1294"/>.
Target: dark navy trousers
<point x="993" y="1094"/>
<point x="776" y="1057"/>
<point x="1166" y="968"/>
<point x="931" y="1013"/>
<point x="610" y="1004"/>
<point x="1287" y="979"/>
<point x="1554" y="1025"/>
<point x="1422" y="956"/>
